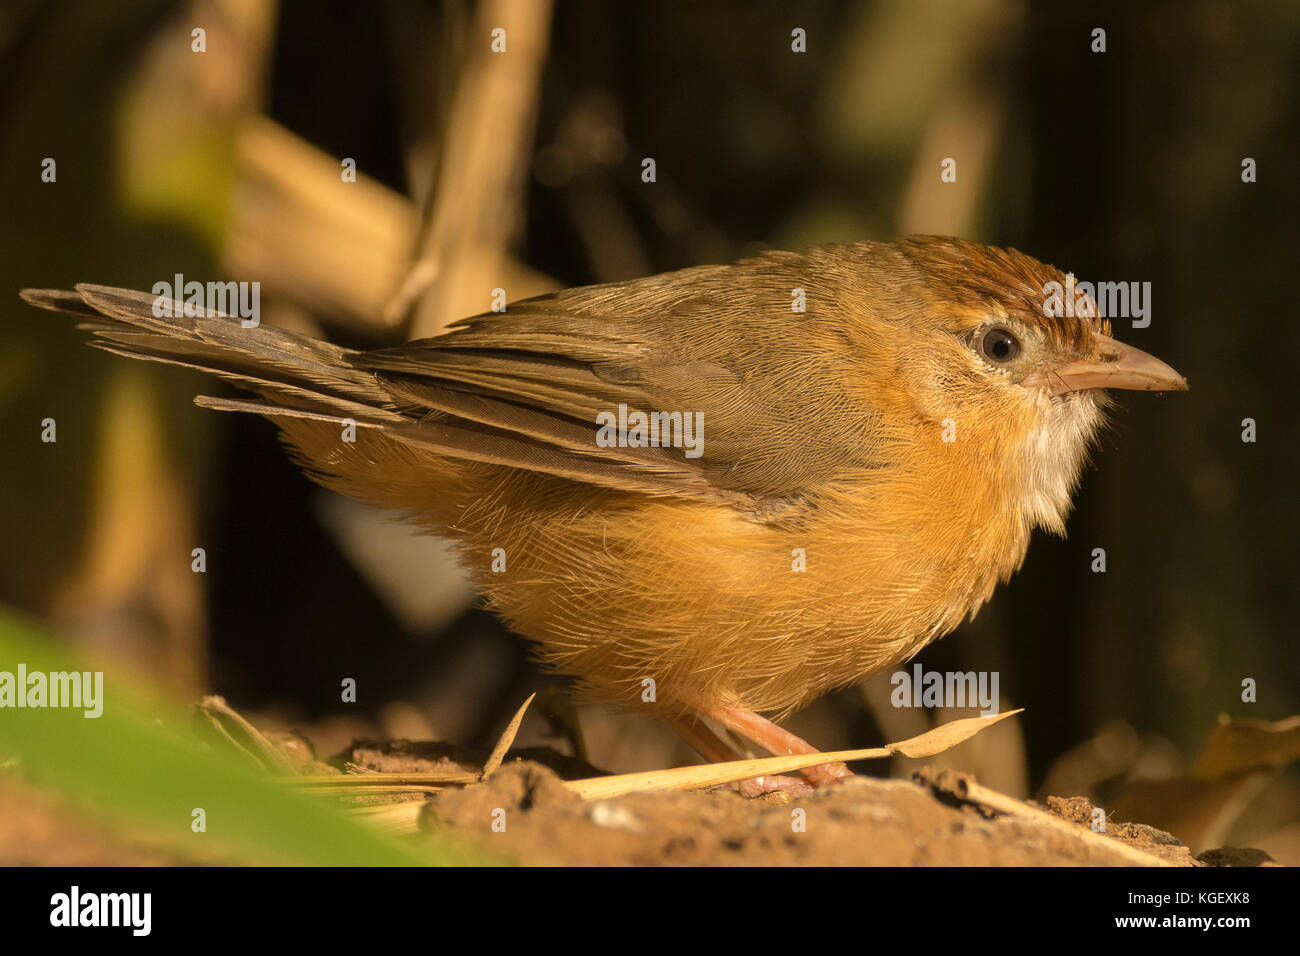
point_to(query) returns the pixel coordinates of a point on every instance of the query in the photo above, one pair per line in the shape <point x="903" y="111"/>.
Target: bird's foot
<point x="774" y="783"/>
<point x="775" y="739"/>
<point x="778" y="741"/>
<point x="711" y="747"/>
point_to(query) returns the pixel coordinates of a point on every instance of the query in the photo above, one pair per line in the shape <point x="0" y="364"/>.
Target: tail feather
<point x="124" y="322"/>
<point x="313" y="382"/>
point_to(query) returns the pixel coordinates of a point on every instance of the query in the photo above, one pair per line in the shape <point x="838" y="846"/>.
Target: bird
<point x="718" y="492"/>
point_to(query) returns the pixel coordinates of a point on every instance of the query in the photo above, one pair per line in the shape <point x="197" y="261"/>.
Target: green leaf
<point x="138" y="764"/>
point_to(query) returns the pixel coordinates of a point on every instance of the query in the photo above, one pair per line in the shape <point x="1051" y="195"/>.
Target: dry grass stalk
<point x="482" y="159"/>
<point x="711" y="775"/>
<point x="392" y="818"/>
<point x="678" y="778"/>
<point x="337" y="249"/>
<point x="507" y="738"/>
<point x="223" y="721"/>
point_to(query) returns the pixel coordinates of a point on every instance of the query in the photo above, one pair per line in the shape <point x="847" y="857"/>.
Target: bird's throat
<point x="1052" y="455"/>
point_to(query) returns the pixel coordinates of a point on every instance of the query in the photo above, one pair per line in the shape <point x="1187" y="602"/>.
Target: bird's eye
<point x="999" y="345"/>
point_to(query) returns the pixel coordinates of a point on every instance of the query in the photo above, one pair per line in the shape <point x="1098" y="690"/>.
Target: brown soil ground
<point x="864" y="822"/>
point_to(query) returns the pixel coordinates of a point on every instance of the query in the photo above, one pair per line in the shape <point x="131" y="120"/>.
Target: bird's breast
<point x="768" y="615"/>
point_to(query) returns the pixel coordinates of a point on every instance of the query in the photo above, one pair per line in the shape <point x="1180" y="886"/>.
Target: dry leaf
<point x="1236" y="745"/>
<point x="946" y="736"/>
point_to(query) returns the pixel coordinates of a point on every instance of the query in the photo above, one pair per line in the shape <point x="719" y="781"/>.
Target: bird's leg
<point x="702" y="740"/>
<point x="775" y="740"/>
<point x="712" y="748"/>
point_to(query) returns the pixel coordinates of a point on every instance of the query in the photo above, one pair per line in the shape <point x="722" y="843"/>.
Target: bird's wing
<point x="714" y="346"/>
<point x="774" y="419"/>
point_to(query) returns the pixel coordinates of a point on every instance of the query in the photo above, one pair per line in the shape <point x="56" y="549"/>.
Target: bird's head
<point x="1023" y="384"/>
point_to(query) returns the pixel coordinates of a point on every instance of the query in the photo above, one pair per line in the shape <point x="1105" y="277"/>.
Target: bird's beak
<point x="1111" y="365"/>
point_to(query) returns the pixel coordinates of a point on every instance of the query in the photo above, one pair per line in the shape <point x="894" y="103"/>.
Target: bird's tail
<point x="291" y="371"/>
<point x="308" y="387"/>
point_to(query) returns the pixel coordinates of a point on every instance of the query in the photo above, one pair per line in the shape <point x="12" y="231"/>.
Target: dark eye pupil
<point x="1000" y="345"/>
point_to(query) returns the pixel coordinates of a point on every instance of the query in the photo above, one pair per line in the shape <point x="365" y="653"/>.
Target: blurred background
<point x="521" y="168"/>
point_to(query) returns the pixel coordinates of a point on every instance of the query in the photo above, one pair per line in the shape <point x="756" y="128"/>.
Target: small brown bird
<point x="695" y="498"/>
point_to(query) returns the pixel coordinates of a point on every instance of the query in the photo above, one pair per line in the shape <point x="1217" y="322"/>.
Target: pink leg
<point x="709" y="746"/>
<point x="777" y="741"/>
<point x="702" y="740"/>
